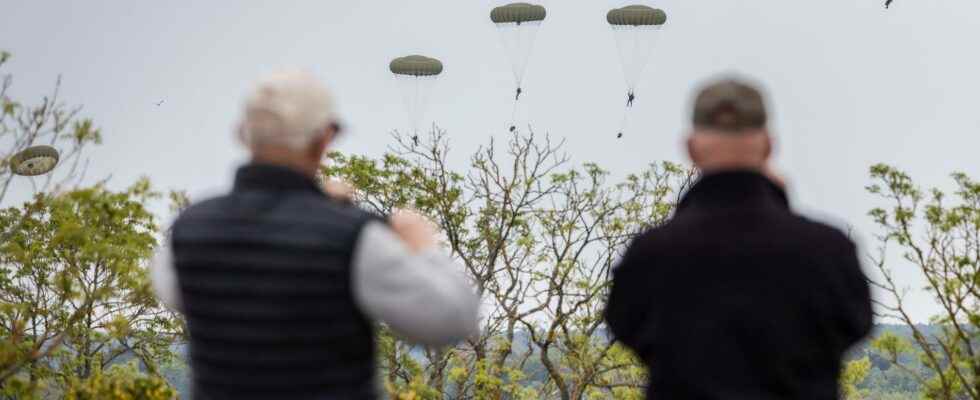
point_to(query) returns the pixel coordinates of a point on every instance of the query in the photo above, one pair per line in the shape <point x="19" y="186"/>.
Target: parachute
<point x="416" y="76"/>
<point x="34" y="160"/>
<point x="636" y="29"/>
<point x="518" y="24"/>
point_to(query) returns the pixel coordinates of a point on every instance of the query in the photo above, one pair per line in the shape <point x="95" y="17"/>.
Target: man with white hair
<point x="281" y="283"/>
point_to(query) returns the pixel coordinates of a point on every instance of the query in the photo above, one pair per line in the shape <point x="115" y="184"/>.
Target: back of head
<point x="729" y="127"/>
<point x="290" y="109"/>
<point x="729" y="106"/>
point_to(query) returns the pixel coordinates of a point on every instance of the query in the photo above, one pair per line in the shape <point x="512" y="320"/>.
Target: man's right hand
<point x="339" y="190"/>
<point x="416" y="231"/>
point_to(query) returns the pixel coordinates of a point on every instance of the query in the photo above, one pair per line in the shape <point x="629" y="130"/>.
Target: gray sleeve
<point x="422" y="297"/>
<point x="164" y="277"/>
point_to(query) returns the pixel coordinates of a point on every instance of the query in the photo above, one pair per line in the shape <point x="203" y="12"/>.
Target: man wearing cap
<point x="737" y="297"/>
<point x="281" y="283"/>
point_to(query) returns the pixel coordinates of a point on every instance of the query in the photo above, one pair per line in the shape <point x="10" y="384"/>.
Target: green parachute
<point x="34" y="160"/>
<point x="416" y="76"/>
<point x="518" y="24"/>
<point x="416" y="65"/>
<point x="518" y="13"/>
<point x="636" y="29"/>
<point x="636" y="15"/>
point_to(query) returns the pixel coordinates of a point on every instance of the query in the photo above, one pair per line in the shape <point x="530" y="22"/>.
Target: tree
<point x="74" y="290"/>
<point x="120" y="383"/>
<point x="49" y="122"/>
<point x="939" y="236"/>
<point x="854" y="373"/>
<point x="538" y="239"/>
<point x="41" y="312"/>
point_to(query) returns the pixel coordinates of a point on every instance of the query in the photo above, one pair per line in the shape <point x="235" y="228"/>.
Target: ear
<point x="319" y="145"/>
<point x="768" y="145"/>
<point x="240" y="134"/>
<point x="692" y="149"/>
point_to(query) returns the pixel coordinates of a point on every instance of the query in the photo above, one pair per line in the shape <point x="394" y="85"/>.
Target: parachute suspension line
<point x="637" y="48"/>
<point x="624" y="124"/>
<point x="518" y="77"/>
<point x="518" y="24"/>
<point x="637" y="23"/>
<point x="418" y="106"/>
<point x="513" y="118"/>
<point x="415" y="75"/>
<point x="630" y="85"/>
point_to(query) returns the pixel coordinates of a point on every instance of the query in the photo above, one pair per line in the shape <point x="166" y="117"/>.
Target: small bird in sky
<point x="159" y="103"/>
<point x="888" y="3"/>
<point x="415" y="140"/>
<point x="619" y="136"/>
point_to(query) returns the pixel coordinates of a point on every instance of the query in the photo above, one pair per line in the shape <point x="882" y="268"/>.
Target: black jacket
<point x="264" y="274"/>
<point x="739" y="298"/>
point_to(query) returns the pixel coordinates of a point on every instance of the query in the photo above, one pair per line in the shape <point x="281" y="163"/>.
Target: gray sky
<point x="850" y="83"/>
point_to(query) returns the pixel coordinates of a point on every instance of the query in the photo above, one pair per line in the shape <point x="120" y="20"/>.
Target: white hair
<point x="290" y="109"/>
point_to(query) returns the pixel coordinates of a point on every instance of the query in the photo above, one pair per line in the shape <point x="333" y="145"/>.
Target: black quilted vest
<point x="265" y="280"/>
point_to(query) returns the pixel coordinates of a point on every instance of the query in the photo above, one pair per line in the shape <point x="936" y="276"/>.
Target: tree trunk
<point x="438" y="377"/>
<point x="554" y="373"/>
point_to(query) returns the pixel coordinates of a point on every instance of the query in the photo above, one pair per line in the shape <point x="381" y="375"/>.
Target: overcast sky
<point x="850" y="84"/>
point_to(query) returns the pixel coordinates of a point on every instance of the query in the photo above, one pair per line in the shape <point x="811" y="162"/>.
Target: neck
<point x="734" y="188"/>
<point x="287" y="158"/>
<point x="720" y="166"/>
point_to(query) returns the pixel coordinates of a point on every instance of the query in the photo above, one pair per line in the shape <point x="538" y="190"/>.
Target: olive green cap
<point x="729" y="105"/>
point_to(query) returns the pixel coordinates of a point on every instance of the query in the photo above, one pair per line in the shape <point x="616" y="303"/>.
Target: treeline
<point x="883" y="380"/>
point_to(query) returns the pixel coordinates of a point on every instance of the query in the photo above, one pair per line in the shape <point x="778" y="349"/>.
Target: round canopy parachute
<point x="636" y="28"/>
<point x="416" y="76"/>
<point x="518" y="13"/>
<point x="416" y="66"/>
<point x="35" y="160"/>
<point x="518" y="24"/>
<point x="636" y="15"/>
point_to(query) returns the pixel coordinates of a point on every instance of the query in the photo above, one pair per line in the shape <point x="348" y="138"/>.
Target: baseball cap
<point x="729" y="105"/>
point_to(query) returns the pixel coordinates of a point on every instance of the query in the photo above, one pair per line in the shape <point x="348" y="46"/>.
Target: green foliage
<point x="937" y="234"/>
<point x="891" y="346"/>
<point x="76" y="296"/>
<point x="854" y="373"/>
<point x="119" y="383"/>
<point x="538" y="238"/>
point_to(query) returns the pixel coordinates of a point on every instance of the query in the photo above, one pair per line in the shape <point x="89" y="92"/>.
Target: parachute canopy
<point x="416" y="65"/>
<point x="34" y="160"/>
<point x="636" y="28"/>
<point x="636" y="15"/>
<point x="518" y="13"/>
<point x="518" y="24"/>
<point x="416" y="76"/>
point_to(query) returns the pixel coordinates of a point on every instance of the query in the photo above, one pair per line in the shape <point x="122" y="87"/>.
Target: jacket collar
<point x="734" y="188"/>
<point x="258" y="176"/>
